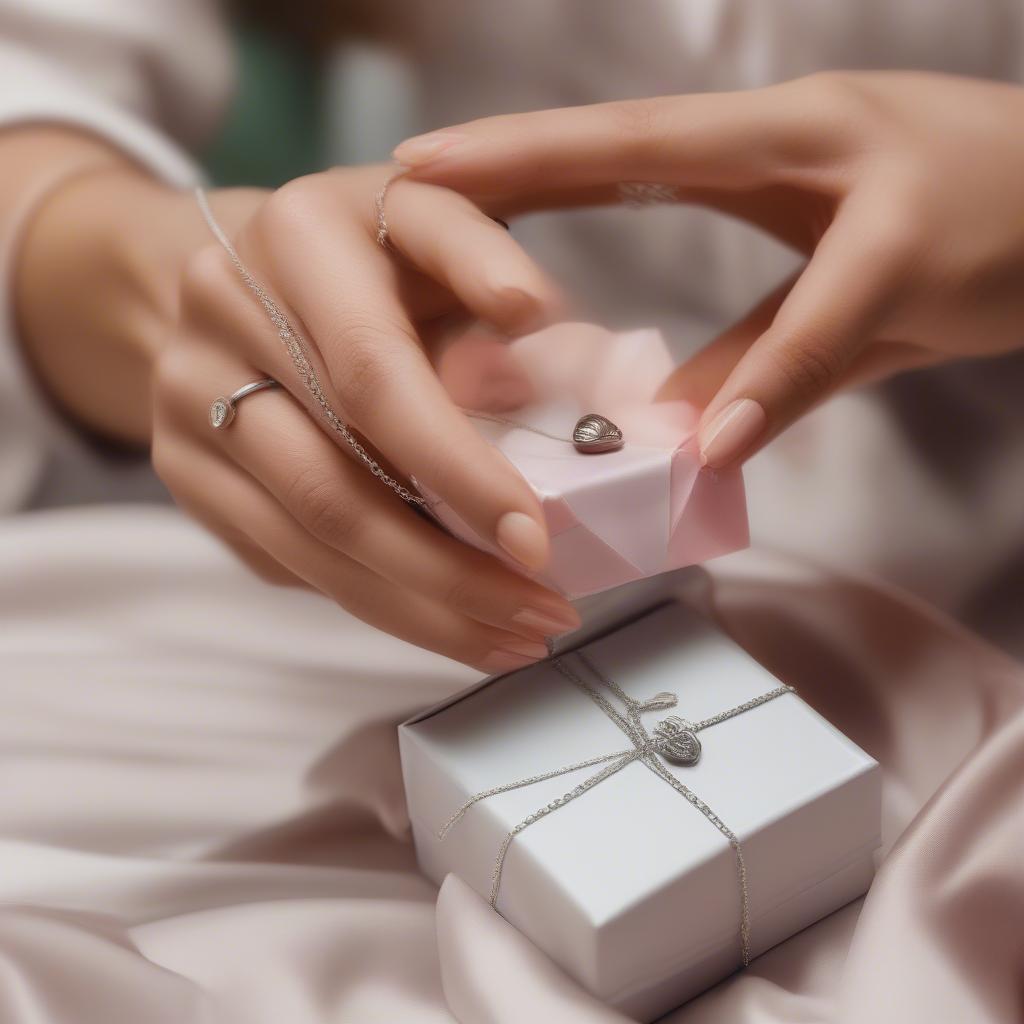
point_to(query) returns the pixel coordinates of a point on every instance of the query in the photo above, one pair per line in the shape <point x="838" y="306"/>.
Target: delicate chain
<point x="473" y="414"/>
<point x="651" y="760"/>
<point x="300" y="358"/>
<point x="509" y="786"/>
<point x="383" y="231"/>
<point x="748" y="705"/>
<point x="704" y="723"/>
<point x="646" y="749"/>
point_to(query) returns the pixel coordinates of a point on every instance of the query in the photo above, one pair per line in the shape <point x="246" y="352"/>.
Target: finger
<point x="698" y="379"/>
<point x="477" y="368"/>
<point x="340" y="293"/>
<point x="735" y="140"/>
<point x="255" y="559"/>
<point x="340" y="286"/>
<point x="447" y="237"/>
<point x="884" y="359"/>
<point x="206" y="480"/>
<point x="341" y="505"/>
<point x="837" y="306"/>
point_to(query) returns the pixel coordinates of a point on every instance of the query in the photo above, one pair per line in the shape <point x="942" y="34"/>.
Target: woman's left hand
<point x="903" y="189"/>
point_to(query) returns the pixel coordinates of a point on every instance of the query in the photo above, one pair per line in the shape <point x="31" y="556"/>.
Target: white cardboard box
<point x="630" y="888"/>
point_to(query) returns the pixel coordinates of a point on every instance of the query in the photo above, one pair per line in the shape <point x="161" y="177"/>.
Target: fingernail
<point x="731" y="432"/>
<point x="513" y="656"/>
<point x="523" y="538"/>
<point x="421" y="148"/>
<point x="547" y="622"/>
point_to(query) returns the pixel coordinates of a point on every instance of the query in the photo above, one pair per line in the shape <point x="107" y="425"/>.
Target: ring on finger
<point x="382" y="222"/>
<point x="383" y="231"/>
<point x="222" y="411"/>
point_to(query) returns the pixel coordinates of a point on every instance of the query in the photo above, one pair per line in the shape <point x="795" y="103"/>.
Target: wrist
<point x="95" y="293"/>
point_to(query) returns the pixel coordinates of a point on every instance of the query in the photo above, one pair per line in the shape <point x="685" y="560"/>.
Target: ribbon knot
<point x="675" y="739"/>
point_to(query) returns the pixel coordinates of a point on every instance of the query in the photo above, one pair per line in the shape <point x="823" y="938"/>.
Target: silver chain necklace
<point x="674" y="740"/>
<point x="300" y="358"/>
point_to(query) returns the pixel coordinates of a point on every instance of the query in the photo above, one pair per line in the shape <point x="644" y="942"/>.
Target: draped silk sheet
<point x="201" y="816"/>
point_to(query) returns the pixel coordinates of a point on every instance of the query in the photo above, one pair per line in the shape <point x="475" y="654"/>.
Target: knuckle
<point x="899" y="226"/>
<point x="843" y="98"/>
<point x="811" y="368"/>
<point x="291" y="207"/>
<point x="461" y="594"/>
<point x="206" y="278"/>
<point x="315" y="500"/>
<point x="174" y="377"/>
<point x="832" y="87"/>
<point x="364" y="364"/>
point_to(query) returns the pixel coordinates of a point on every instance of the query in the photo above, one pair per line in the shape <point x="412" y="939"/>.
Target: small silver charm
<point x="663" y="701"/>
<point x="222" y="412"/>
<point x="677" y="742"/>
<point x="594" y="434"/>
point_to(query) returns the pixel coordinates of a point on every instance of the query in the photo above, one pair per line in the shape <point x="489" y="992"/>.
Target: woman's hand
<point x="286" y="494"/>
<point x="904" y="189"/>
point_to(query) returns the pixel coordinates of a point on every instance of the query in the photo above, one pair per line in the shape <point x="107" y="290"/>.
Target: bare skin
<point x="902" y="189"/>
<point x="135" y="320"/>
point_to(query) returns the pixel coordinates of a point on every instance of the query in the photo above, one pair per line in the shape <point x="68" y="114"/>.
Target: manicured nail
<point x="547" y="622"/>
<point x="514" y="655"/>
<point x="523" y="538"/>
<point x="421" y="148"/>
<point x="731" y="432"/>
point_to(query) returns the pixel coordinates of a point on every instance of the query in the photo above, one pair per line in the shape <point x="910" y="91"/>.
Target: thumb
<point x="830" y="316"/>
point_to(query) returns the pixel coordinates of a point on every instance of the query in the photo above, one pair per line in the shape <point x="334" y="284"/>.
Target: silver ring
<point x="222" y="411"/>
<point x="383" y="230"/>
<point x="378" y="202"/>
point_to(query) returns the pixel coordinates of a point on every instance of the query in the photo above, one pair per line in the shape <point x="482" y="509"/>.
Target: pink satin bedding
<point x="201" y="817"/>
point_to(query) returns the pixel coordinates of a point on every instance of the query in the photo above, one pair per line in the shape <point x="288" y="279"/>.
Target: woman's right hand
<point x="286" y="494"/>
<point x="903" y="190"/>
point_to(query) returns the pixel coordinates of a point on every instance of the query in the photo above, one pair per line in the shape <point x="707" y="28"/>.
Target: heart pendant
<point x="677" y="742"/>
<point x="594" y="434"/>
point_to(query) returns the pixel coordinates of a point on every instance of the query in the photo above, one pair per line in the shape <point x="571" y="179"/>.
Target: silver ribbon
<point x="648" y="750"/>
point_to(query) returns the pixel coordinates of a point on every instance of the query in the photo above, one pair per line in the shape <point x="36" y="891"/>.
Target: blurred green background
<point x="274" y="128"/>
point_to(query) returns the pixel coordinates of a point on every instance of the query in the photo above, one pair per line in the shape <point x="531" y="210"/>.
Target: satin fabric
<point x="201" y="816"/>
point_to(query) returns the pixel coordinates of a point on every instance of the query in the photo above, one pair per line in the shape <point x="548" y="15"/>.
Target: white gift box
<point x="629" y="887"/>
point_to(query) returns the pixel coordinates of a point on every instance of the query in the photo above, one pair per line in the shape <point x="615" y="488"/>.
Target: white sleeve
<point x="151" y="77"/>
